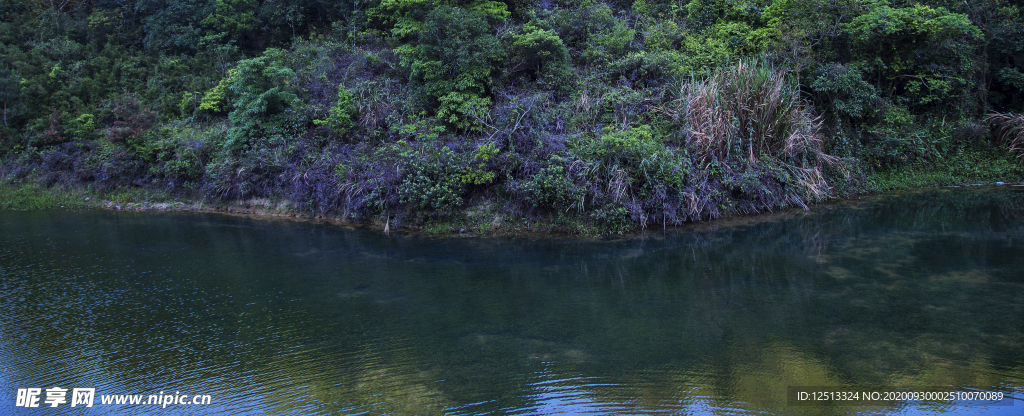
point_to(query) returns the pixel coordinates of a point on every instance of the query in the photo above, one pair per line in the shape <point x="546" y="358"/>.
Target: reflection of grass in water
<point x="840" y="273"/>
<point x="975" y="372"/>
<point x="915" y="308"/>
<point x="973" y="276"/>
<point x="528" y="348"/>
<point x="762" y="381"/>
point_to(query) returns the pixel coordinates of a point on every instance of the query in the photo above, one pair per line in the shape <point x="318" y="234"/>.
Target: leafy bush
<point x="921" y="54"/>
<point x="541" y="54"/>
<point x="845" y="93"/>
<point x="341" y="113"/>
<point x="261" y="92"/>
<point x="453" y="62"/>
<point x="215" y="101"/>
<point x="552" y="188"/>
<point x="434" y="181"/>
<point x="477" y="174"/>
<point x="898" y="139"/>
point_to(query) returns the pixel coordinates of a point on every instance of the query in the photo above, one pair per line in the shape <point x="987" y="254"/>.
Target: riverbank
<point x="30" y="196"/>
<point x="483" y="218"/>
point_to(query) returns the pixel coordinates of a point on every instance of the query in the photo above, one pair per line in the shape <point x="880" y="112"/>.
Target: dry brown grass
<point x="751" y="110"/>
<point x="1010" y="130"/>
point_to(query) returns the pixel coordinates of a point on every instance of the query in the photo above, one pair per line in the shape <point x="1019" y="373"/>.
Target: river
<point x="915" y="292"/>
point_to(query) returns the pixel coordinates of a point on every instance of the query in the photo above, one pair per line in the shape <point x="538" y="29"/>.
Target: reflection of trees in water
<point x="858" y="296"/>
<point x="862" y="294"/>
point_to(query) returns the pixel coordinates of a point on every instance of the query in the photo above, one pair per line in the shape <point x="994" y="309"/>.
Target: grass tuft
<point x="1010" y="129"/>
<point x="752" y="111"/>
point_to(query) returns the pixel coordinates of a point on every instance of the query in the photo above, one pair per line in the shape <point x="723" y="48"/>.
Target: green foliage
<point x="918" y="56"/>
<point x="453" y="62"/>
<point x="14" y="97"/>
<point x="897" y="139"/>
<point x="704" y="13"/>
<point x="641" y="8"/>
<point x="341" y="113"/>
<point x="82" y="126"/>
<point x="552" y="188"/>
<point x="609" y="44"/>
<point x="593" y="29"/>
<point x="433" y="181"/>
<point x="405" y="17"/>
<point x="845" y="93"/>
<point x="478" y="175"/>
<point x="1002" y="22"/>
<point x="234" y="17"/>
<point x="541" y="54"/>
<point x="719" y="45"/>
<point x="629" y="147"/>
<point x="189" y="103"/>
<point x="262" y="93"/>
<point x="215" y="101"/>
<point x="614" y="218"/>
<point x="630" y="164"/>
<point x="176" y="26"/>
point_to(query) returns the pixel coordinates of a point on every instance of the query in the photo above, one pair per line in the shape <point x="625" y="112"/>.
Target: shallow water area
<point x="913" y="291"/>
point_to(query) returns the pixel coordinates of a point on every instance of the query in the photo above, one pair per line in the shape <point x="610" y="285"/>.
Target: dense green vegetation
<point x="616" y="114"/>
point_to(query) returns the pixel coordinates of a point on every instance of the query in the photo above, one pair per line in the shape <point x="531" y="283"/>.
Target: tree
<point x="918" y="56"/>
<point x="237" y="18"/>
<point x="176" y="26"/>
<point x="261" y="89"/>
<point x="453" y="62"/>
<point x="541" y="54"/>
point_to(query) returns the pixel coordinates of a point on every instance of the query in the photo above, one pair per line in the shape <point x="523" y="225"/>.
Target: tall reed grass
<point x="1010" y="130"/>
<point x="750" y="111"/>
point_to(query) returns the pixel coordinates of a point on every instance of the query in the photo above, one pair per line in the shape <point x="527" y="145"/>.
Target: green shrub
<point x="898" y="139"/>
<point x="453" y="62"/>
<point x="341" y="113"/>
<point x="261" y="97"/>
<point x="922" y="54"/>
<point x="433" y="181"/>
<point x="845" y="92"/>
<point x="477" y="173"/>
<point x="552" y="188"/>
<point x="215" y="101"/>
<point x="609" y="44"/>
<point x="82" y="126"/>
<point x="541" y="54"/>
<point x="625" y="148"/>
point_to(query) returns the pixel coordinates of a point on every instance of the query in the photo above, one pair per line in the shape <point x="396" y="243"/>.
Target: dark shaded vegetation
<point x="609" y="114"/>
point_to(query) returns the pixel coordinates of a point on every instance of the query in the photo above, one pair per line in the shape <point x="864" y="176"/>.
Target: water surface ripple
<point x="281" y="318"/>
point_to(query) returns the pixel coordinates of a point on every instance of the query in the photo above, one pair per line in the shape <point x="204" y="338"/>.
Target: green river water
<point x="913" y="292"/>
